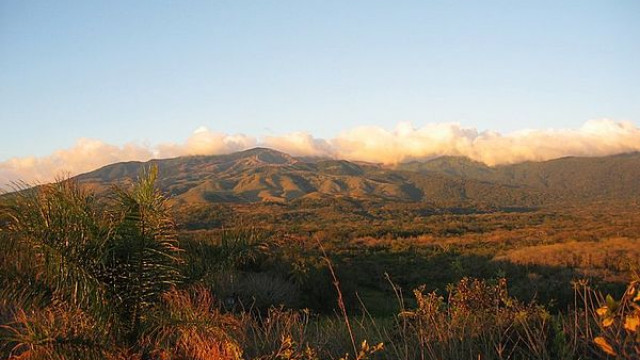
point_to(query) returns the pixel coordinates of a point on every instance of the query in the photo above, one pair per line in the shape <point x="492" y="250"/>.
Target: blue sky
<point x="152" y="72"/>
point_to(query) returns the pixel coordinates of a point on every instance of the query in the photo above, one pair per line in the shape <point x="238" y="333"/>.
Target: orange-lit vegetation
<point x="83" y="277"/>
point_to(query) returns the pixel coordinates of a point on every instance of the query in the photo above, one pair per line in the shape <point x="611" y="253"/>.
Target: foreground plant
<point x="187" y="325"/>
<point x="54" y="333"/>
<point x="66" y="255"/>
<point x="478" y="319"/>
<point x="619" y="324"/>
<point x="142" y="255"/>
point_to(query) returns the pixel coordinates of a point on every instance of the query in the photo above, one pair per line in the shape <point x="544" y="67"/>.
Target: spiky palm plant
<point x="53" y="239"/>
<point x="63" y="252"/>
<point x="143" y="251"/>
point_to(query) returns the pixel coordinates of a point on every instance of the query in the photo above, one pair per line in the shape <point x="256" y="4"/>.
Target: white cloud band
<point x="366" y="143"/>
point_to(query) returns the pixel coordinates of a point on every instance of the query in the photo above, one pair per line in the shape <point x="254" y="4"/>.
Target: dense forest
<point x="131" y="272"/>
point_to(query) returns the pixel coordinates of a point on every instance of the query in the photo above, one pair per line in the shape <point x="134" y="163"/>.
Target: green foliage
<point x="54" y="244"/>
<point x="142" y="251"/>
<point x="65" y="255"/>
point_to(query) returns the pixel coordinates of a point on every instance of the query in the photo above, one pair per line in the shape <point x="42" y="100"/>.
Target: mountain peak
<point x="261" y="155"/>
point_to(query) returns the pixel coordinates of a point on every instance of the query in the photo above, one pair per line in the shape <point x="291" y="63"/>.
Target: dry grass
<point x="187" y="325"/>
<point x="615" y="256"/>
<point x="55" y="332"/>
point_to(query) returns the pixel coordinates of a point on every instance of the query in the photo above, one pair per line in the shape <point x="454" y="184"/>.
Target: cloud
<point x="206" y="142"/>
<point x="299" y="144"/>
<point x="405" y="143"/>
<point x="376" y="144"/>
<point x="594" y="138"/>
<point x="365" y="143"/>
<point x="85" y="155"/>
<point x="90" y="154"/>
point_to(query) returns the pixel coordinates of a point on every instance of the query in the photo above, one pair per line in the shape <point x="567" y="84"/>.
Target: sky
<point x="86" y="83"/>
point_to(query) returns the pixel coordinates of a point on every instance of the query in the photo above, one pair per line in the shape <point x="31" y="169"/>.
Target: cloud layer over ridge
<point x="365" y="143"/>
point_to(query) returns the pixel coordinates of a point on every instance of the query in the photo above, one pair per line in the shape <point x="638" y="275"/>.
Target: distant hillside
<point x="609" y="177"/>
<point x="259" y="175"/>
<point x="265" y="175"/>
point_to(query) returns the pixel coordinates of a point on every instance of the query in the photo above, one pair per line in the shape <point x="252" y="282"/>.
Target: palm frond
<point x="143" y="250"/>
<point x="54" y="237"/>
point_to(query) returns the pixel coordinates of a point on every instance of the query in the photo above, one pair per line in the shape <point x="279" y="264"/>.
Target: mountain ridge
<point x="267" y="175"/>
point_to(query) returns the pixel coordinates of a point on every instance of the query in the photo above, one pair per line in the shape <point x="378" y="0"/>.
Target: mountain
<point x="260" y="175"/>
<point x="265" y="175"/>
<point x="610" y="177"/>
